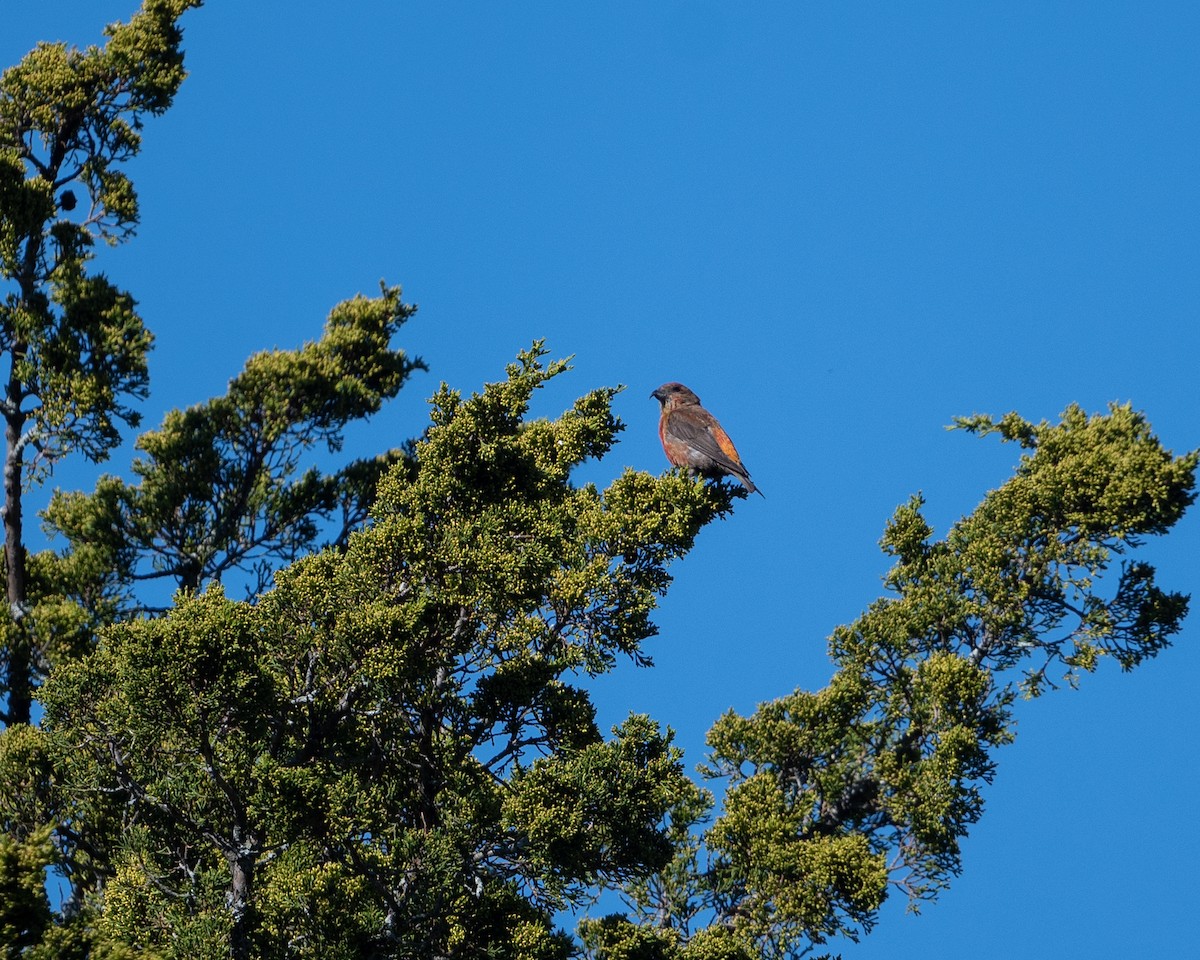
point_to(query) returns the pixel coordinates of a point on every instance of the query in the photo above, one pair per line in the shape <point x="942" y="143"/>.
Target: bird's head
<point x="674" y="395"/>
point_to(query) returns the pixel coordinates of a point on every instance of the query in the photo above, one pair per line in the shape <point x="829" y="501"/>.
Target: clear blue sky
<point x="840" y="223"/>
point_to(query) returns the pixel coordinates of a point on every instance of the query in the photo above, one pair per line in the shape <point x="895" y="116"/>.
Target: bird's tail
<point x="749" y="484"/>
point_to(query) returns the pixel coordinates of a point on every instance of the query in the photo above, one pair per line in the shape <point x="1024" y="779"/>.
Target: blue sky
<point x="841" y="224"/>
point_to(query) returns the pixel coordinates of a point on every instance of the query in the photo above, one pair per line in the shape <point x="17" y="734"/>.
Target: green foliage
<point x="874" y="780"/>
<point x="71" y="117"/>
<point x="221" y="488"/>
<point x="573" y="821"/>
<point x="388" y="753"/>
<point x="615" y="938"/>
<point x="1028" y="561"/>
<point x="74" y="115"/>
<point x="24" y="907"/>
<point x="394" y="721"/>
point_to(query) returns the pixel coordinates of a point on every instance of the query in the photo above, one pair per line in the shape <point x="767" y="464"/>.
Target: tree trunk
<point x="240" y="889"/>
<point x="20" y="653"/>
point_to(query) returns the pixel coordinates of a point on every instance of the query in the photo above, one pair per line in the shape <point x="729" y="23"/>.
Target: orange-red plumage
<point x="692" y="437"/>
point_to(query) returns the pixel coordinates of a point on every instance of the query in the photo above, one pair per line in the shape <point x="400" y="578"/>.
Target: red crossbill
<point x="692" y="438"/>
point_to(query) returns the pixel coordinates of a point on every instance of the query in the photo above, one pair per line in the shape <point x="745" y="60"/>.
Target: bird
<point x="692" y="437"/>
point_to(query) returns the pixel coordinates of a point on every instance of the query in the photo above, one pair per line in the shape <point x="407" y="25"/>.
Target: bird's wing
<point x="707" y="438"/>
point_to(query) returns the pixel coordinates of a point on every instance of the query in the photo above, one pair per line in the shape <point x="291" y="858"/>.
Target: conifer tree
<point x="73" y="346"/>
<point x="385" y="746"/>
<point x="834" y="798"/>
<point x="389" y="754"/>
